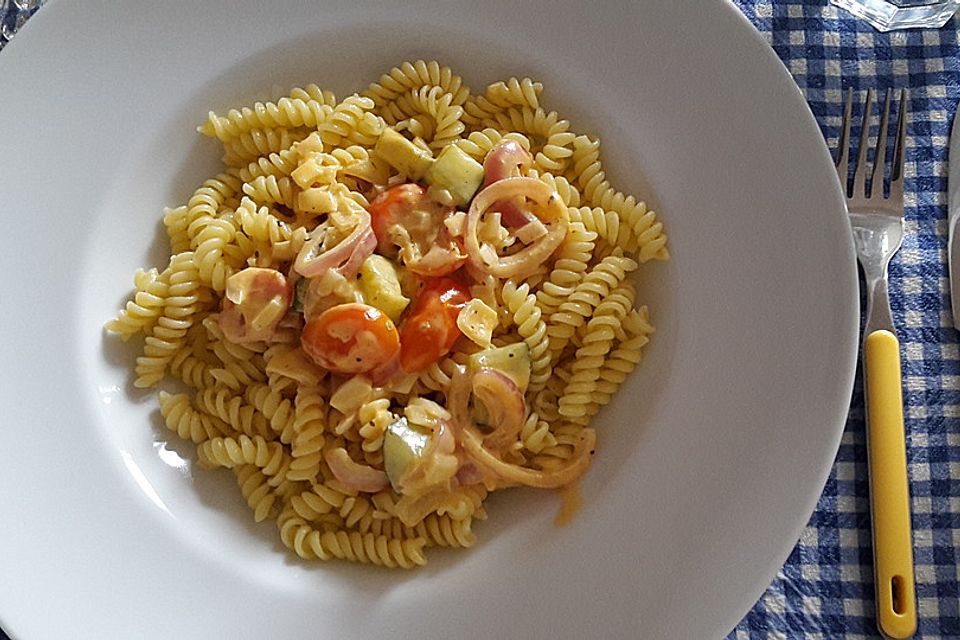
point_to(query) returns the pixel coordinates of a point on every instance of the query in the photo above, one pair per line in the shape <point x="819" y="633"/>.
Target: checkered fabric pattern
<point x="825" y="589"/>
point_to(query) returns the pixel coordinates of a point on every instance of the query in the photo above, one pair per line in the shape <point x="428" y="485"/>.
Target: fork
<point x="877" y="222"/>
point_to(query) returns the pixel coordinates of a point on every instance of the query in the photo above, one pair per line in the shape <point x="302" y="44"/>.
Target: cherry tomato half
<point x="351" y="338"/>
<point x="433" y="252"/>
<point x="431" y="326"/>
<point x="390" y="207"/>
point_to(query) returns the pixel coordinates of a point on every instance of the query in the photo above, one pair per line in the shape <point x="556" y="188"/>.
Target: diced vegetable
<point x="403" y="155"/>
<point x="311" y="171"/>
<point x="392" y="208"/>
<point x="317" y="200"/>
<point x="380" y="286"/>
<point x="430" y="329"/>
<point x="513" y="360"/>
<point x="477" y="321"/>
<point x="403" y="449"/>
<point x="456" y="172"/>
<point x="351" y="338"/>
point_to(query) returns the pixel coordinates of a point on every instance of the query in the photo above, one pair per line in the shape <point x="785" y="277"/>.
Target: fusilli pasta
<point x="498" y="314"/>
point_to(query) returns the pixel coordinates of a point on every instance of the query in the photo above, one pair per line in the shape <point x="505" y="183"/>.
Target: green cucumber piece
<point x="403" y="449"/>
<point x="403" y="155"/>
<point x="457" y="173"/>
<point x="513" y="360"/>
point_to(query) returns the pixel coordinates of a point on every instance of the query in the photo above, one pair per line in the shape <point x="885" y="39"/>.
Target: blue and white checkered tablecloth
<point x="825" y="588"/>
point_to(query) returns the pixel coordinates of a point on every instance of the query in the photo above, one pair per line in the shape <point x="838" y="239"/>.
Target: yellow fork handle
<point x="889" y="493"/>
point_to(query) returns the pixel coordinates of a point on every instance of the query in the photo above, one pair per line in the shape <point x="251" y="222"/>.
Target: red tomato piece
<point x="429" y="249"/>
<point x="430" y="329"/>
<point x="390" y="207"/>
<point x="351" y="338"/>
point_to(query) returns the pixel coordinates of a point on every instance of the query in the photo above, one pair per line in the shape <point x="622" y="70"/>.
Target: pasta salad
<point x="387" y="306"/>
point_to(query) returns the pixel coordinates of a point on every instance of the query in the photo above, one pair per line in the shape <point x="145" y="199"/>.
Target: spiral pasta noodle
<point x="413" y="76"/>
<point x="306" y="108"/>
<point x="187" y="422"/>
<point x="259" y="142"/>
<point x="142" y="312"/>
<point x="309" y="423"/>
<point x="444" y="115"/>
<point x="500" y="96"/>
<point x="311" y="544"/>
<point x="229" y="452"/>
<point x="579" y="306"/>
<point x="259" y="494"/>
<point x="528" y="318"/>
<point x="379" y="465"/>
<point x="597" y="342"/>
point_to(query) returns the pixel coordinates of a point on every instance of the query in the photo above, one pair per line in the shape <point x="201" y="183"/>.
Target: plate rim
<point x="853" y="318"/>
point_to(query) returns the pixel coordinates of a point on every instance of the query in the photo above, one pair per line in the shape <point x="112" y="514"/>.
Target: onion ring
<point x="506" y="160"/>
<point x="354" y="475"/>
<point x="347" y="253"/>
<point x="505" y="405"/>
<point x="530" y="257"/>
<point x="576" y="465"/>
<point x="488" y="465"/>
<point x="503" y="159"/>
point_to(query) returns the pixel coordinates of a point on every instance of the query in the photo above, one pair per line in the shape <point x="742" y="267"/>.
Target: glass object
<point x="13" y="13"/>
<point x="887" y="15"/>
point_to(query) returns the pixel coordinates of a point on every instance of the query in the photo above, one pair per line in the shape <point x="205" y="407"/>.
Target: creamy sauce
<point x="570" y="502"/>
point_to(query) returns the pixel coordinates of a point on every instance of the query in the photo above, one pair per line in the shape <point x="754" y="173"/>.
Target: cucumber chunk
<point x="380" y="286"/>
<point x="513" y="360"/>
<point x="457" y="173"/>
<point x="403" y="155"/>
<point x="403" y="448"/>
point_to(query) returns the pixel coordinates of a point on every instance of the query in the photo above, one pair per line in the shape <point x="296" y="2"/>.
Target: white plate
<point x="709" y="463"/>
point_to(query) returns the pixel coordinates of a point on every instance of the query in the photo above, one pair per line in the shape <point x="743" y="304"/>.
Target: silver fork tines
<point x="876" y="214"/>
<point x="859" y="189"/>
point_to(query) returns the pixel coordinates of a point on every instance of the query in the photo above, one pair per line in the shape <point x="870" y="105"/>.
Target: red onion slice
<point x="348" y="251"/>
<point x="504" y="403"/>
<point x="363" y="250"/>
<point x="354" y="475"/>
<point x="506" y="160"/>
<point x="503" y="160"/>
<point x="530" y="257"/>
<point x="485" y="465"/>
<point x="575" y="465"/>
